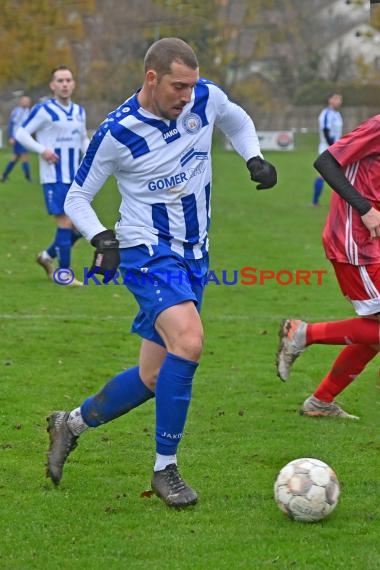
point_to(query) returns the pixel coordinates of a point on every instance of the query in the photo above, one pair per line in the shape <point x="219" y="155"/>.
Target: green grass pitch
<point x="60" y="344"/>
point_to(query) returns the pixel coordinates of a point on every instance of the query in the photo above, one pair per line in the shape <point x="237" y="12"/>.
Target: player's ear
<point x="151" y="76"/>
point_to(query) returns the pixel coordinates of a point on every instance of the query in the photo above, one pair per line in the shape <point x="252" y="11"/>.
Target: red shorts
<point x="361" y="285"/>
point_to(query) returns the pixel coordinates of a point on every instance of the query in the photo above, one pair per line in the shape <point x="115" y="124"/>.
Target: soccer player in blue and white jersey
<point x="158" y="146"/>
<point x="59" y="126"/>
<point x="330" y="126"/>
<point x="18" y="115"/>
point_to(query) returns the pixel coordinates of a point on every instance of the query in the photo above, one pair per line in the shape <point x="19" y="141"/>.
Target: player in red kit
<point x="351" y="166"/>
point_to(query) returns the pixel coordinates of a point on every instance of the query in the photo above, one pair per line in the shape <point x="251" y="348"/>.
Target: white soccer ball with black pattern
<point x="307" y="489"/>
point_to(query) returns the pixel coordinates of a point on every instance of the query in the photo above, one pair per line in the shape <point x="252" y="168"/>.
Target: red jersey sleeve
<point x="359" y="143"/>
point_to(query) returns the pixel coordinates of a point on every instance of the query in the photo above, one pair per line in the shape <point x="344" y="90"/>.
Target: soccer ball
<point x="307" y="489"/>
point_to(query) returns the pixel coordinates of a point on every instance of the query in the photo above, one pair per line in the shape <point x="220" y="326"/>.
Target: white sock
<point x="45" y="255"/>
<point x="76" y="422"/>
<point x="163" y="461"/>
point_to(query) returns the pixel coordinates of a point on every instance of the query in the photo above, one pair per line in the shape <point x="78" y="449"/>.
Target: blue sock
<point x="120" y="395"/>
<point x="26" y="170"/>
<point x="63" y="246"/>
<point x="8" y="168"/>
<point x="51" y="250"/>
<point x="75" y="235"/>
<point x="173" y="395"/>
<point x="318" y="187"/>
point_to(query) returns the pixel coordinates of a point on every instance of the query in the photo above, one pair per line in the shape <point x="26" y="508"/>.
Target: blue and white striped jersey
<point x="332" y="120"/>
<point x="163" y="170"/>
<point x="59" y="128"/>
<point x="17" y="116"/>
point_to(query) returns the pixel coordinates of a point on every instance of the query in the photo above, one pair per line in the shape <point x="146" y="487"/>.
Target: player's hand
<point x="263" y="172"/>
<point x="106" y="257"/>
<point x="372" y="222"/>
<point x="50" y="156"/>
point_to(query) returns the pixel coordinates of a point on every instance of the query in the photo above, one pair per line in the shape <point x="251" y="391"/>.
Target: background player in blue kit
<point x="18" y="115"/>
<point x="158" y="146"/>
<point x="61" y="139"/>
<point x="330" y="126"/>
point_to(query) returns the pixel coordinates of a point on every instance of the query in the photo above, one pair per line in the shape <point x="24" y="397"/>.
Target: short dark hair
<point x="333" y="94"/>
<point x="163" y="52"/>
<point x="59" y="68"/>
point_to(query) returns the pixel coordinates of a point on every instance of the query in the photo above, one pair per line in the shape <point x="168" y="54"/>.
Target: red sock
<point x="351" y="331"/>
<point x="350" y="362"/>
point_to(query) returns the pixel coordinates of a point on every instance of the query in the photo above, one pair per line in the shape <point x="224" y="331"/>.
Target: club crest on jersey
<point x="192" y="123"/>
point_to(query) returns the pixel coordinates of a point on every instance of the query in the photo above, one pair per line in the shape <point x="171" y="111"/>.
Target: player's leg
<point x="126" y="391"/>
<point x="360" y="284"/>
<point x="63" y="240"/>
<point x="296" y="335"/>
<point x="60" y="248"/>
<point x="170" y="303"/>
<point x="75" y="236"/>
<point x="317" y="190"/>
<point x="10" y="166"/>
<point x="184" y="336"/>
<point x="350" y="362"/>
<point x="121" y="394"/>
<point x="25" y="166"/>
<point x="180" y="327"/>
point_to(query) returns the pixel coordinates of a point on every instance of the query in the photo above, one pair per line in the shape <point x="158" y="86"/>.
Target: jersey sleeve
<point x="85" y="141"/>
<point x="37" y="120"/>
<point x="237" y="125"/>
<point x="25" y="138"/>
<point x="97" y="165"/>
<point x="11" y="124"/>
<point x="359" y="143"/>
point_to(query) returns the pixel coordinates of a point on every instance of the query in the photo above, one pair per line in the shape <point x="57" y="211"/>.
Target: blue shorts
<point x="18" y="149"/>
<point x="159" y="279"/>
<point x="55" y="196"/>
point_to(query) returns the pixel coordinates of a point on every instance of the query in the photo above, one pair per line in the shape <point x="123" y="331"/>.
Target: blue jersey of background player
<point x="157" y="145"/>
<point x="17" y="116"/>
<point x="330" y="126"/>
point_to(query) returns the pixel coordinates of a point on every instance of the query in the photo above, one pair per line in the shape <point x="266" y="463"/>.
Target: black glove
<point x="106" y="258"/>
<point x="262" y="171"/>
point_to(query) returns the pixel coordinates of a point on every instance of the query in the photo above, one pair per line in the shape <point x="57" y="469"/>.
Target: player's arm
<point x="35" y="122"/>
<point x="328" y="137"/>
<point x="330" y="169"/>
<point x="11" y="128"/>
<point x="332" y="172"/>
<point x="85" y="141"/>
<point x="97" y="165"/>
<point x="238" y="126"/>
<point x="26" y="140"/>
<point x="327" y="128"/>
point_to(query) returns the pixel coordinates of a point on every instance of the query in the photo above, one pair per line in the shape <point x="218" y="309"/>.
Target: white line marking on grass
<point x="74" y="317"/>
<point x="47" y="317"/>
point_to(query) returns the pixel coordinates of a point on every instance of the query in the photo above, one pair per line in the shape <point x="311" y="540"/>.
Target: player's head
<point x="25" y="102"/>
<point x="164" y="52"/>
<point x="171" y="72"/>
<point x="334" y="100"/>
<point x="62" y="83"/>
